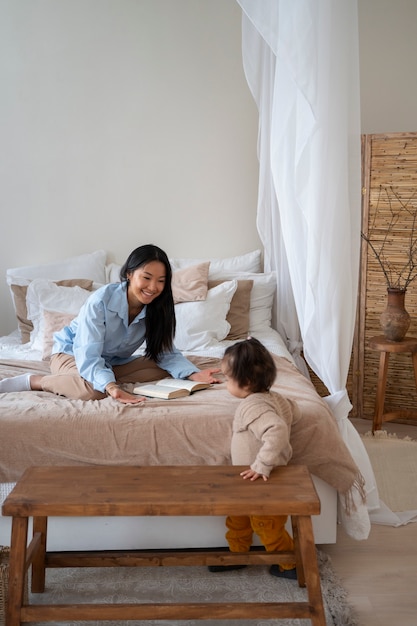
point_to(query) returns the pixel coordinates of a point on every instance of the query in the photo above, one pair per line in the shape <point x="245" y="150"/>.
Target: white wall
<point x="123" y="122"/>
<point x="130" y="121"/>
<point x="388" y="60"/>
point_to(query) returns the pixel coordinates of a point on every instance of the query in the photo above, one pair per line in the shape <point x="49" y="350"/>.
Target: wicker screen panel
<point x="390" y="208"/>
<point x="321" y="387"/>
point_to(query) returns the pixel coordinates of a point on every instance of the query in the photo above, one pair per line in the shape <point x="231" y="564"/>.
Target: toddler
<point x="260" y="439"/>
<point x="270" y="430"/>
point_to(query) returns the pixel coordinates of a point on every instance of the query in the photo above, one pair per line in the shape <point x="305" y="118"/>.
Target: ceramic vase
<point x="395" y="320"/>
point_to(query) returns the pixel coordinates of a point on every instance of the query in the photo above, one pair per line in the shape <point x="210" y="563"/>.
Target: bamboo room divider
<point x="389" y="172"/>
<point x="389" y="175"/>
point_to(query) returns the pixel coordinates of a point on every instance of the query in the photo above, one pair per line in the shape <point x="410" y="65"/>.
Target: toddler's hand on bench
<point x="252" y="475"/>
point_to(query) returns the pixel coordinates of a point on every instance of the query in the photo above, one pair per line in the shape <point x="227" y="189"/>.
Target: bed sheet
<point x="38" y="428"/>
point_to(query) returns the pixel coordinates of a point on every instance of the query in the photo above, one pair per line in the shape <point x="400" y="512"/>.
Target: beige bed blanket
<point x="38" y="428"/>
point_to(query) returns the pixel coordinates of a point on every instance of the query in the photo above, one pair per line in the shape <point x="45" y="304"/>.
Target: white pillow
<point x="91" y="265"/>
<point x="249" y="262"/>
<point x="203" y="324"/>
<point x="113" y="273"/>
<point x="261" y="297"/>
<point x="46" y="295"/>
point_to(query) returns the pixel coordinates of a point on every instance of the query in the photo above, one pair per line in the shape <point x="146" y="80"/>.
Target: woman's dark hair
<point x="160" y="314"/>
<point x="251" y="365"/>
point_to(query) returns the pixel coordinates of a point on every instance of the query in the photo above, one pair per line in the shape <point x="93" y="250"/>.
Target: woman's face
<point x="146" y="283"/>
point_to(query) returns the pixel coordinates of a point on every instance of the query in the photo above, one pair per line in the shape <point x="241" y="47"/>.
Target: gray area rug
<point x="192" y="584"/>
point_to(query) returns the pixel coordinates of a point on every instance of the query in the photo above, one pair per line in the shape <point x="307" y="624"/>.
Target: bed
<point x="217" y="302"/>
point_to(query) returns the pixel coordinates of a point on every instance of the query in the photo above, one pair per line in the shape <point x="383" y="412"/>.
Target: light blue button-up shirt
<point x="101" y="337"/>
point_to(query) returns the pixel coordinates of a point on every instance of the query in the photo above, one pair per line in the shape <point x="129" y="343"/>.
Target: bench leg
<point x="414" y="358"/>
<point x="17" y="570"/>
<point x="38" y="560"/>
<point x="380" y="391"/>
<point x="298" y="558"/>
<point x="308" y="555"/>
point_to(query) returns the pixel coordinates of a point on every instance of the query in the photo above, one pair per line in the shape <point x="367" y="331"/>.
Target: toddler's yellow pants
<point x="269" y="528"/>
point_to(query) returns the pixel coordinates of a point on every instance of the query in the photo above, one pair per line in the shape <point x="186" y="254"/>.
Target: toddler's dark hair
<point x="250" y="364"/>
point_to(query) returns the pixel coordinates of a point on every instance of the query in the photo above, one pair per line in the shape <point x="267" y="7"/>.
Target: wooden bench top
<point x="160" y="490"/>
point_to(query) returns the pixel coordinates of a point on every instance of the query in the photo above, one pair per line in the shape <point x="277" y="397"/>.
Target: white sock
<point x="17" y="383"/>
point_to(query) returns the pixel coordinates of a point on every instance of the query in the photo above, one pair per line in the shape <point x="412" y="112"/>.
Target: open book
<point x="168" y="388"/>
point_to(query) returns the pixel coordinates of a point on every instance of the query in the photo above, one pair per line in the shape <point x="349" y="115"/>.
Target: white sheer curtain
<point x="301" y="63"/>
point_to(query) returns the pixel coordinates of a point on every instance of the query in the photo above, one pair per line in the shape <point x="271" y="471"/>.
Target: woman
<point x="95" y="353"/>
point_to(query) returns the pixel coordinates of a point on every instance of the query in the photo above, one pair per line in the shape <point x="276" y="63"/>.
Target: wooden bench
<point x="161" y="490"/>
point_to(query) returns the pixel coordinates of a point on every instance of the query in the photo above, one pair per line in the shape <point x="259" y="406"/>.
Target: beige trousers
<point x="65" y="379"/>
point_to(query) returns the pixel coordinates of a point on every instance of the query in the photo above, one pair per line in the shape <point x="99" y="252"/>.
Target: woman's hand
<point x="249" y="473"/>
<point x="205" y="376"/>
<point x="115" y="392"/>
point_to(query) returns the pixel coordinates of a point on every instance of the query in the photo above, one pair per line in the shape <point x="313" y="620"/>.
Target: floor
<point x="379" y="573"/>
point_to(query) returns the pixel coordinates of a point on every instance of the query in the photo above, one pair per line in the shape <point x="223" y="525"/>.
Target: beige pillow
<point x="190" y="283"/>
<point x="19" y="295"/>
<point x="238" y="315"/>
<point x="52" y="322"/>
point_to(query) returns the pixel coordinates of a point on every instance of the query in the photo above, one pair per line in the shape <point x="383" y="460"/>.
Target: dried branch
<point x="398" y="273"/>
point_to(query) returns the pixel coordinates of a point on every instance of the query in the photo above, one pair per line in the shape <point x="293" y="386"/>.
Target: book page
<point x="160" y="391"/>
<point x="179" y="383"/>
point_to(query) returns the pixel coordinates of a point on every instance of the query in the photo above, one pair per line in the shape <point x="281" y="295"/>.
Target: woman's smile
<point x="145" y="284"/>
